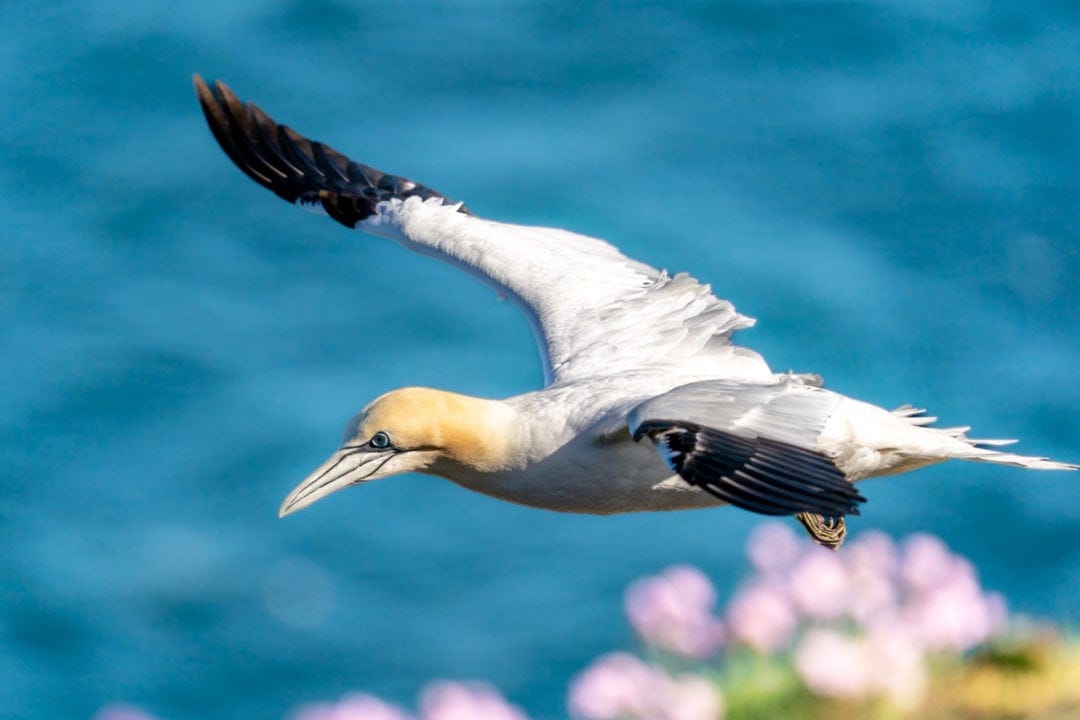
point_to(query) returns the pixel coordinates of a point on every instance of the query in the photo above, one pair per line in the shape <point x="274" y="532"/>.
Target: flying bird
<point x="647" y="403"/>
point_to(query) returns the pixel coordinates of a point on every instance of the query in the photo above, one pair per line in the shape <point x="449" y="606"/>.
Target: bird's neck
<point x="475" y="435"/>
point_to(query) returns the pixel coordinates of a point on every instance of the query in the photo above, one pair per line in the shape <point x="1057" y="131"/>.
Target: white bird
<point x="647" y="404"/>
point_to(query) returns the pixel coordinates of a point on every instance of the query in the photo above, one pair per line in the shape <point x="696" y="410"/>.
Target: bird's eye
<point x="380" y="440"/>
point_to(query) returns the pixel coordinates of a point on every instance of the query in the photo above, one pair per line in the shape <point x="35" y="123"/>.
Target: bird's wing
<point x="753" y="445"/>
<point x="593" y="310"/>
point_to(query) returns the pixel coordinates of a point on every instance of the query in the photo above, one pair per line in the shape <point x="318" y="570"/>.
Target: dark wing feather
<point x="755" y="473"/>
<point x="295" y="168"/>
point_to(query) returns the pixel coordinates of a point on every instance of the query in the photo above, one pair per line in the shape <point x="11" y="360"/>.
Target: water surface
<point x="891" y="188"/>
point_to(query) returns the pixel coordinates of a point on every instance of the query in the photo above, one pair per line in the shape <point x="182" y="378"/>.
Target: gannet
<point x="647" y="402"/>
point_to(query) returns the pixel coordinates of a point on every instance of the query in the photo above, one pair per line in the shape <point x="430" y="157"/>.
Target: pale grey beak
<point x="347" y="466"/>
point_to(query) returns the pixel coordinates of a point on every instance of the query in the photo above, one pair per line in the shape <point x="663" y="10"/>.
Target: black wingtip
<point x="294" y="167"/>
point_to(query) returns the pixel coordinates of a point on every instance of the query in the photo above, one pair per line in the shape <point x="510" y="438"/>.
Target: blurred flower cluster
<point x="440" y="700"/>
<point x="877" y="629"/>
<point x="856" y="624"/>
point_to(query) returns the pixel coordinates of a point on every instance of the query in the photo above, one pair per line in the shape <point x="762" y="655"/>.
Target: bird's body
<point x="578" y="455"/>
<point x="647" y="404"/>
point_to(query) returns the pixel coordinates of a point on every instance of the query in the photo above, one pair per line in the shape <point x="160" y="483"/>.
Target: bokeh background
<point x="891" y="188"/>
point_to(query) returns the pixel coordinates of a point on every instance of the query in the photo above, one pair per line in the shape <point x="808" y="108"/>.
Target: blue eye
<point x="380" y="440"/>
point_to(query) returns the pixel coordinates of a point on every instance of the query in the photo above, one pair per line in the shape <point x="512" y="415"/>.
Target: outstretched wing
<point x="753" y="445"/>
<point x="592" y="309"/>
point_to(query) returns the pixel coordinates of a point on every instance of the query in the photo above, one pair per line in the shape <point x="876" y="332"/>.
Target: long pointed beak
<point x="347" y="466"/>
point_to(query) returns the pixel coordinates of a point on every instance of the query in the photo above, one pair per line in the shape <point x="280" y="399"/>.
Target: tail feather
<point x="914" y="415"/>
<point x="977" y="449"/>
<point x="994" y="442"/>
<point x="1024" y="461"/>
<point x="975" y="452"/>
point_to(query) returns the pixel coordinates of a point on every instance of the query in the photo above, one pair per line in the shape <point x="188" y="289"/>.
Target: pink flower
<point x="819" y="585"/>
<point x="355" y="706"/>
<point x="872" y="553"/>
<point x="955" y="615"/>
<point x="622" y="687"/>
<point x="945" y="607"/>
<point x="832" y="665"/>
<point x="925" y="563"/>
<point x="773" y="548"/>
<point x="895" y="665"/>
<point x="885" y="662"/>
<point x="122" y="712"/>
<point x="617" y="685"/>
<point x="673" y="611"/>
<point x="692" y="697"/>
<point x="761" y="617"/>
<point x="871" y="562"/>
<point x="445" y="700"/>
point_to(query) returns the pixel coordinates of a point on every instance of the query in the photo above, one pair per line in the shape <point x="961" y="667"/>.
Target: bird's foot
<point x="829" y="532"/>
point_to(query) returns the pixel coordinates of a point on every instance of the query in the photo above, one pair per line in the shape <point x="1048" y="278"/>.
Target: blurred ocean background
<point x="891" y="188"/>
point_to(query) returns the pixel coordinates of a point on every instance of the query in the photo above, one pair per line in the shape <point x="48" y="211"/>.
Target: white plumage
<point x="593" y="310"/>
<point x="647" y="404"/>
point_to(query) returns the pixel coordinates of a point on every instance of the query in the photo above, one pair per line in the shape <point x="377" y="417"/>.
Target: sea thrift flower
<point x="773" y="548"/>
<point x="926" y="563"/>
<point x="873" y="553"/>
<point x="819" y="585"/>
<point x="356" y="706"/>
<point x="465" y="701"/>
<point x="673" y="611"/>
<point x="884" y="663"/>
<point x="956" y="615"/>
<point x="617" y="685"/>
<point x="761" y="617"/>
<point x="692" y="697"/>
<point x="871" y="563"/>
<point x="622" y="687"/>
<point x="832" y="665"/>
<point x="895" y="665"/>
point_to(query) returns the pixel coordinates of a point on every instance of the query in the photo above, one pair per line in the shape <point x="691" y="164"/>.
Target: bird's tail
<point x="979" y="450"/>
<point x="980" y="454"/>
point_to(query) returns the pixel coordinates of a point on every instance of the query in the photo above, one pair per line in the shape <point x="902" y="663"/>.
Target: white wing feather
<point x="785" y="410"/>
<point x="594" y="311"/>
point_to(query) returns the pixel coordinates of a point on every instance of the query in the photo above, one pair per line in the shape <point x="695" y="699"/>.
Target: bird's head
<point x="410" y="430"/>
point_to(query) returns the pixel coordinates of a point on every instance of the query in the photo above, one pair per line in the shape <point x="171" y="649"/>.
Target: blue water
<point x="891" y="188"/>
